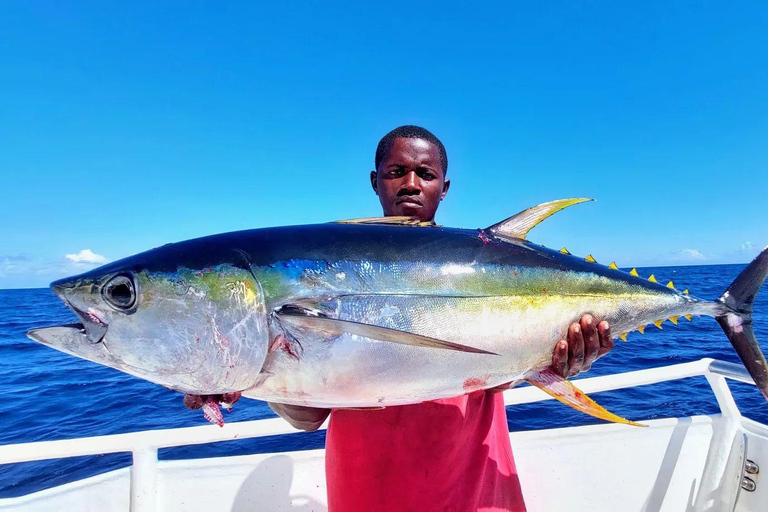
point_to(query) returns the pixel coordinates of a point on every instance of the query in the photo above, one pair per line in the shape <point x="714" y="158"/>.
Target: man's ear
<point x="374" y="183"/>
<point x="446" y="186"/>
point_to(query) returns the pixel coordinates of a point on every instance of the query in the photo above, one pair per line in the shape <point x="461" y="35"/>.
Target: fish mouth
<point x="67" y="337"/>
<point x="94" y="324"/>
<point x="72" y="339"/>
<point x="75" y="326"/>
<point x="93" y="327"/>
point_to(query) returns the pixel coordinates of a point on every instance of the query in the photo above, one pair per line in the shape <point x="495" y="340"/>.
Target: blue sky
<point x="129" y="125"/>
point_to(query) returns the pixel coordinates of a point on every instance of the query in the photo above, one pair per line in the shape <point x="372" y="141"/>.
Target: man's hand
<point x="585" y="344"/>
<point x="302" y="418"/>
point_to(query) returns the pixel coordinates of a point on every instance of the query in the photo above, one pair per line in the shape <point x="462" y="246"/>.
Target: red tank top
<point x="444" y="455"/>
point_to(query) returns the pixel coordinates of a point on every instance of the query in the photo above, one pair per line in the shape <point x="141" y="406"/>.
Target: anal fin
<point x="564" y="391"/>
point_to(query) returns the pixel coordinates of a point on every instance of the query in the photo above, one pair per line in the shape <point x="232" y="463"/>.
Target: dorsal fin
<point x="519" y="225"/>
<point x="401" y="221"/>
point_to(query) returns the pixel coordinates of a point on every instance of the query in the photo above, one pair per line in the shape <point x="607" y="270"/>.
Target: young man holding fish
<point x="450" y="454"/>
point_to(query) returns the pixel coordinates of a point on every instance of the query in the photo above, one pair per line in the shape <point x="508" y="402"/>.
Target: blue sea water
<point x="46" y="395"/>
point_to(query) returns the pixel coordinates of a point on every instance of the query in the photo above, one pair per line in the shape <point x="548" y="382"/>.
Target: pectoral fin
<point x="565" y="392"/>
<point x="309" y="319"/>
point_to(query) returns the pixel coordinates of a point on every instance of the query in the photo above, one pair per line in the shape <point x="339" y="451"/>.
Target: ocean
<point x="47" y="395"/>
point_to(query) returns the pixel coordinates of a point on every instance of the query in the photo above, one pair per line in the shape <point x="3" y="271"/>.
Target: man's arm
<point x="302" y="418"/>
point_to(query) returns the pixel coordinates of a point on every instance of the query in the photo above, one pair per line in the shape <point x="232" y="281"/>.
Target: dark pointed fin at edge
<point x="307" y="320"/>
<point x="398" y="221"/>
<point x="519" y="225"/>
<point x="564" y="391"/>
<point x="737" y="323"/>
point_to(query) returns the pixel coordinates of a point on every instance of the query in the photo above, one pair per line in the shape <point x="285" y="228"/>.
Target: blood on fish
<point x="482" y="236"/>
<point x="284" y="344"/>
<point x="193" y="402"/>
<point x="231" y="397"/>
<point x="279" y="340"/>
<point x="212" y="413"/>
<point x="220" y="337"/>
<point x="210" y="405"/>
<point x="474" y="383"/>
<point x="287" y="348"/>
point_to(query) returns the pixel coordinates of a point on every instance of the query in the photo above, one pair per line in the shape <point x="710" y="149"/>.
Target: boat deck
<point x="698" y="463"/>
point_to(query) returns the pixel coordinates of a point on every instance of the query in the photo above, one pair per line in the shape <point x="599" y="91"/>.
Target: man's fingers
<point x="606" y="342"/>
<point x="591" y="340"/>
<point x="560" y="358"/>
<point x="575" y="349"/>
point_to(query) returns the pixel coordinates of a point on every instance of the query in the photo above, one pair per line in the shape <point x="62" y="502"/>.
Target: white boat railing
<point x="145" y="445"/>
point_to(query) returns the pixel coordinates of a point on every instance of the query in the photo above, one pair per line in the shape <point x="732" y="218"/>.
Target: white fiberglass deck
<point x="694" y="463"/>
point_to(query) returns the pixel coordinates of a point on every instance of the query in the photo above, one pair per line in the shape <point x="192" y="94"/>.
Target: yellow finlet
<point x="685" y="291"/>
<point x="653" y="279"/>
<point x="623" y="336"/>
<point x="671" y="285"/>
<point x="673" y="319"/>
<point x="658" y="323"/>
<point x="633" y="272"/>
<point x="564" y="251"/>
<point x="689" y="318"/>
<point x="641" y="329"/>
<point x="590" y="259"/>
<point x="613" y="266"/>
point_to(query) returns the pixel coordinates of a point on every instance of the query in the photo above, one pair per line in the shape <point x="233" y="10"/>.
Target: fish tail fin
<point x="736" y="321"/>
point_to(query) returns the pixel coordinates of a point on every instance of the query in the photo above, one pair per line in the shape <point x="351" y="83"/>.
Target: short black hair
<point x="410" y="131"/>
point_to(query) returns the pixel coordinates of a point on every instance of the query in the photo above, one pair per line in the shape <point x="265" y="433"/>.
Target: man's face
<point x="410" y="180"/>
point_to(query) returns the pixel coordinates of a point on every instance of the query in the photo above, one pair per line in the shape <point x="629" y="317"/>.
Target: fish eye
<point x="120" y="293"/>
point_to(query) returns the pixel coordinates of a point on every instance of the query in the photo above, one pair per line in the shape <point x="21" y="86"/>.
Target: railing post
<point x="723" y="395"/>
<point x="144" y="480"/>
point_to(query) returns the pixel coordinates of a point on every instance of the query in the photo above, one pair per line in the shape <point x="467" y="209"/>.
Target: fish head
<point x="198" y="331"/>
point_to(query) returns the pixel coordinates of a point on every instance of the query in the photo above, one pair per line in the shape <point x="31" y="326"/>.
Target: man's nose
<point x="411" y="182"/>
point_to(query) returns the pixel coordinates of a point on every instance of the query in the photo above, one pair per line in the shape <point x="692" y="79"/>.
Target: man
<point x="451" y="454"/>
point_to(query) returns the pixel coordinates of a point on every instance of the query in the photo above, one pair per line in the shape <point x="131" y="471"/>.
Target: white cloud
<point x="11" y="264"/>
<point x="87" y="256"/>
<point x="693" y="254"/>
<point x="747" y="247"/>
<point x="685" y="257"/>
<point x="25" y="270"/>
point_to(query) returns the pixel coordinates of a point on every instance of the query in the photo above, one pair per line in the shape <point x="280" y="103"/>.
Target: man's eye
<point x="427" y="176"/>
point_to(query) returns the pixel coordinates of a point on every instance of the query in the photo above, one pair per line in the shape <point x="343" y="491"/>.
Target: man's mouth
<point x="408" y="201"/>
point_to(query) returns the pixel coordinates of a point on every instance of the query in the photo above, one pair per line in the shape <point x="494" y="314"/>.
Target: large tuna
<point x="369" y="313"/>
